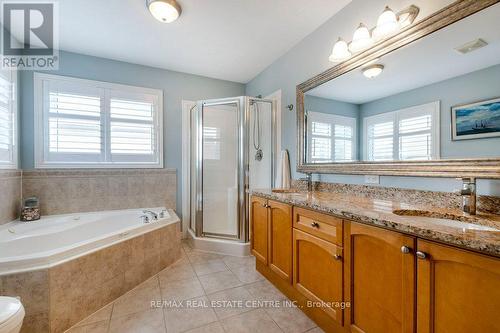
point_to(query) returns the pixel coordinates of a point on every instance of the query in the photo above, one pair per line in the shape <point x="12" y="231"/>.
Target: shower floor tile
<point x="201" y="293"/>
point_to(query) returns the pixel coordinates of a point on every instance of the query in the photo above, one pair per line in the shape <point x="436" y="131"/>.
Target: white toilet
<point x="11" y="315"/>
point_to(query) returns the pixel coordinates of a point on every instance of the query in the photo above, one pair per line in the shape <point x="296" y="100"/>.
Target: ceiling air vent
<point x="471" y="46"/>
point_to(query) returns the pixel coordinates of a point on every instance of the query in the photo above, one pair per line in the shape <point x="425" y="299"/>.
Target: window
<point x="8" y="119"/>
<point x="332" y="138"/>
<point x="408" y="134"/>
<point x="83" y="123"/>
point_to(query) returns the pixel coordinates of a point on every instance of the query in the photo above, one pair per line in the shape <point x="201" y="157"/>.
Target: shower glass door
<point x="220" y="160"/>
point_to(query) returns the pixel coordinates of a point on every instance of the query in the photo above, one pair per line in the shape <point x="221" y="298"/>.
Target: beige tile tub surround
<point x="486" y="203"/>
<point x="10" y="195"/>
<point x="59" y="297"/>
<point x="82" y="190"/>
<point x="249" y="317"/>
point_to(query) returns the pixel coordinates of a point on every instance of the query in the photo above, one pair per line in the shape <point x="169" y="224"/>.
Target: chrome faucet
<point x="308" y="178"/>
<point x="153" y="214"/>
<point x="468" y="193"/>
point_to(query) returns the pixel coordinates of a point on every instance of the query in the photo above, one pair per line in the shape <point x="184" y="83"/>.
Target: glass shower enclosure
<point x="232" y="151"/>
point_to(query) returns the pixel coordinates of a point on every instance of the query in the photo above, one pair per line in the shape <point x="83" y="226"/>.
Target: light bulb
<point x="340" y="51"/>
<point x="361" y="39"/>
<point x="387" y="24"/>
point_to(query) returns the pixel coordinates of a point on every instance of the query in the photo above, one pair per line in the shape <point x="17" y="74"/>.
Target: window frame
<point x="396" y="116"/>
<point x="13" y="164"/>
<point x="332" y="119"/>
<point x="41" y="130"/>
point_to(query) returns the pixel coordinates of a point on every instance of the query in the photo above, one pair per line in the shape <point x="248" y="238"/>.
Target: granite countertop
<point x="480" y="233"/>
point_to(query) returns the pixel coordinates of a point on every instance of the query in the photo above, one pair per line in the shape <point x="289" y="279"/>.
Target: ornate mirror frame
<point x="479" y="168"/>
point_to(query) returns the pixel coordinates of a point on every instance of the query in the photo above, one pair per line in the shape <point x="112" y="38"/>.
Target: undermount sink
<point x="284" y="190"/>
<point x="449" y="220"/>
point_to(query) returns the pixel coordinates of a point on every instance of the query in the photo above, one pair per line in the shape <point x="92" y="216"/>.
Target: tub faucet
<point x="468" y="193"/>
<point x="309" y="181"/>
<point x="153" y="214"/>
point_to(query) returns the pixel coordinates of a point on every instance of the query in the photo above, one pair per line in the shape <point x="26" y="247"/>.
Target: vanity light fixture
<point x="388" y="24"/>
<point x="373" y="70"/>
<point x="165" y="11"/>
<point x="340" y="51"/>
<point x="361" y="39"/>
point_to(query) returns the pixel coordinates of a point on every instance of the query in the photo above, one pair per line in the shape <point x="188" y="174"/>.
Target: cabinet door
<point x="260" y="228"/>
<point x="458" y="291"/>
<point x="280" y="239"/>
<point x="380" y="280"/>
<point x="317" y="272"/>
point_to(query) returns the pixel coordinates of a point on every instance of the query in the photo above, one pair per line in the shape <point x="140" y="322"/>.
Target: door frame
<point x="187" y="105"/>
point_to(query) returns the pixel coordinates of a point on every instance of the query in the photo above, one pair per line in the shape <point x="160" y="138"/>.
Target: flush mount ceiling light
<point x="165" y="11"/>
<point x="373" y="70"/>
<point x="361" y="39"/>
<point x="388" y="24"/>
<point x="340" y="51"/>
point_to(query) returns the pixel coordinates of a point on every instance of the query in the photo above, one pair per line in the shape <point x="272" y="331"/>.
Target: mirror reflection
<point x="437" y="98"/>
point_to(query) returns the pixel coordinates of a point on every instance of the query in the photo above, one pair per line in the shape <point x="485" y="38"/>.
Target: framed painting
<point x="476" y="120"/>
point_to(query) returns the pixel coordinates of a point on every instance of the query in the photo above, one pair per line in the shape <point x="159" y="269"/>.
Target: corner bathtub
<point x="52" y="240"/>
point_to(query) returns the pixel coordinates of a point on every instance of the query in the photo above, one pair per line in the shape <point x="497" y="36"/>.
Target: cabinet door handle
<point x="265" y="205"/>
<point x="405" y="249"/>
<point x="421" y="255"/>
<point x="315" y="225"/>
<point x="337" y="256"/>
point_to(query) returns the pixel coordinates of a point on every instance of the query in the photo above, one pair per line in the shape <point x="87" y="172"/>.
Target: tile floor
<point x="191" y="295"/>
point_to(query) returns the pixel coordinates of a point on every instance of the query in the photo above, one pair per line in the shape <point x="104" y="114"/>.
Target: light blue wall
<point x="324" y="105"/>
<point x="472" y="87"/>
<point x="176" y="87"/>
<point x="310" y="57"/>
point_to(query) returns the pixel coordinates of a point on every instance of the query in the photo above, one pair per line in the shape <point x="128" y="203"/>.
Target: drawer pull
<point x="315" y="225"/>
<point x="405" y="249"/>
<point x="337" y="257"/>
<point x="421" y="255"/>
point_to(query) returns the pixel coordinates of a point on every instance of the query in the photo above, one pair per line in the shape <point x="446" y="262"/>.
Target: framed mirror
<point x="424" y="102"/>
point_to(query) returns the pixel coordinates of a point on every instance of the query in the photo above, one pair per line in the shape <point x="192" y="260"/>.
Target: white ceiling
<point x="226" y="39"/>
<point x="429" y="60"/>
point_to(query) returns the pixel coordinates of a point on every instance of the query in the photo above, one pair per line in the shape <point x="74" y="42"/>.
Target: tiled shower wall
<point x="83" y="190"/>
<point x="10" y="194"/>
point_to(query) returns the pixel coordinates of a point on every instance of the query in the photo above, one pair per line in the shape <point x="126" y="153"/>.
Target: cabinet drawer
<point x="320" y="225"/>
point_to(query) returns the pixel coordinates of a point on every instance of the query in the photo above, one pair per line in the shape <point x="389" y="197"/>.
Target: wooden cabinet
<point x="458" y="291"/>
<point x="271" y="238"/>
<point x="317" y="272"/>
<point x="380" y="280"/>
<point x="280" y="239"/>
<point x="259" y="228"/>
<point x="354" y="277"/>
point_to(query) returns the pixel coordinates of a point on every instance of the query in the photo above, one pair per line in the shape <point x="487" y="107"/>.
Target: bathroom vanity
<point x="358" y="264"/>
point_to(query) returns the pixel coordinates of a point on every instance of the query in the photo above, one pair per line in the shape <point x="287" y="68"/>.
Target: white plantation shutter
<point x="134" y="130"/>
<point x="94" y="124"/>
<point x="380" y="140"/>
<point x="408" y="134"/>
<point x="8" y="120"/>
<point x="332" y="137"/>
<point x="321" y="142"/>
<point x="73" y="123"/>
<point x="343" y="143"/>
